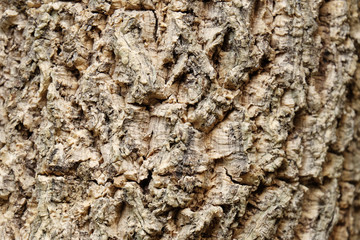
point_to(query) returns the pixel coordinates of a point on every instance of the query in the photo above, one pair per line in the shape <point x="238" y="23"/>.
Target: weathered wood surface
<point x="179" y="119"/>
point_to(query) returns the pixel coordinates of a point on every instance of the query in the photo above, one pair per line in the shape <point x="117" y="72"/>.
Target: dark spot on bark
<point x="107" y="119"/>
<point x="264" y="61"/>
<point x="58" y="51"/>
<point x="58" y="28"/>
<point x="144" y="184"/>
<point x="228" y="38"/>
<point x="23" y="130"/>
<point x="178" y="174"/>
<point x="76" y="73"/>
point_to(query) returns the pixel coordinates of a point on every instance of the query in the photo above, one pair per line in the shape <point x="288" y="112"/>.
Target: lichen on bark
<point x="180" y="119"/>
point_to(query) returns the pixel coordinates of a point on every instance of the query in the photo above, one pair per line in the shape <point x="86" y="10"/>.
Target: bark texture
<point x="180" y="119"/>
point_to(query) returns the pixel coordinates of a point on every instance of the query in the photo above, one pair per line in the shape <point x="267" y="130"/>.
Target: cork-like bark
<point x="180" y="119"/>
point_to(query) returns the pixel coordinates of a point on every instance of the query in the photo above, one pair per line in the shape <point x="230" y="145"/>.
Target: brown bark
<point x="179" y="119"/>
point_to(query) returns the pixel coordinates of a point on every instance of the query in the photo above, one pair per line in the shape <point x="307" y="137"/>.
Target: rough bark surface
<point x="179" y="119"/>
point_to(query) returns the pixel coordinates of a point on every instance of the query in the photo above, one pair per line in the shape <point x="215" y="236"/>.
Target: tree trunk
<point x="180" y="119"/>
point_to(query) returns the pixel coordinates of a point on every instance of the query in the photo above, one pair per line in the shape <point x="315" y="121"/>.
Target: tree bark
<point x="180" y="119"/>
